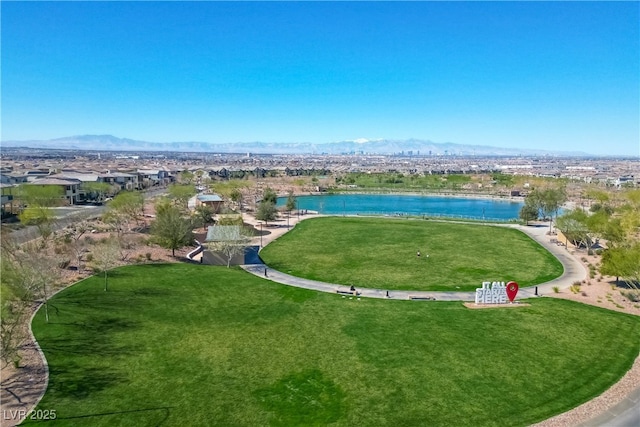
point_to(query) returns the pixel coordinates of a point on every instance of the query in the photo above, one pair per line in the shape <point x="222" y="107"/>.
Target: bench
<point x="419" y="298"/>
<point x="350" y="293"/>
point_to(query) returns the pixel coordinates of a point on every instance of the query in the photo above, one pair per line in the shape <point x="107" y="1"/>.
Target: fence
<point x="436" y="215"/>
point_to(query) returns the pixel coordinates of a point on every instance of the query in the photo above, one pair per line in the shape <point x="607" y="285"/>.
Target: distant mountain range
<point x="360" y="146"/>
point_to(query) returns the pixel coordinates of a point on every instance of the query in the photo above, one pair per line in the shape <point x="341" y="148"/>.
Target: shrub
<point x="16" y="361"/>
<point x="575" y="288"/>
<point x="64" y="264"/>
<point x="633" y="296"/>
<point x="590" y="252"/>
<point x="556" y="289"/>
<point x="148" y="256"/>
<point x="89" y="257"/>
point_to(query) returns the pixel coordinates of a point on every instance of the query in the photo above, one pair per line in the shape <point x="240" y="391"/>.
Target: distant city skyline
<point x="559" y="76"/>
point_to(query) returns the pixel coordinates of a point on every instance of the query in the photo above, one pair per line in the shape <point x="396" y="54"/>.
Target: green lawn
<point x="209" y="346"/>
<point x="381" y="253"/>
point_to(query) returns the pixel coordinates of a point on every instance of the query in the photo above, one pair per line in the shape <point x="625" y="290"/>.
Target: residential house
<point x="70" y="187"/>
<point x="126" y="181"/>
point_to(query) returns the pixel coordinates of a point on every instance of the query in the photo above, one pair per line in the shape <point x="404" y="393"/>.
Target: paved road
<point x="624" y="414"/>
<point x="68" y="215"/>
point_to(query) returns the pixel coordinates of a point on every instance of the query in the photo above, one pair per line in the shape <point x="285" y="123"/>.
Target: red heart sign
<point x="512" y="290"/>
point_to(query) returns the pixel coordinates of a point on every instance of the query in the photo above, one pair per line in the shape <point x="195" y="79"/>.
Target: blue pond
<point x="377" y="204"/>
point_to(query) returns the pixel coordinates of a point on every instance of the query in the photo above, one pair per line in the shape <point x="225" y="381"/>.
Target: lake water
<point x="383" y="204"/>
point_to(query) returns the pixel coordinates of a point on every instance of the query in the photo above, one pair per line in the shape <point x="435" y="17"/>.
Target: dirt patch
<point x="599" y="290"/>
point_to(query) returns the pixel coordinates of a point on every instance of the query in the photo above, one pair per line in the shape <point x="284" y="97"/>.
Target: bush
<point x="556" y="289"/>
<point x="64" y="264"/>
<point x="148" y="256"/>
<point x="633" y="296"/>
<point x="575" y="288"/>
<point x="89" y="257"/>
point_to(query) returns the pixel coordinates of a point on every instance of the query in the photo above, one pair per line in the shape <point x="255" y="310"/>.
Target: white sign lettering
<point x="491" y="293"/>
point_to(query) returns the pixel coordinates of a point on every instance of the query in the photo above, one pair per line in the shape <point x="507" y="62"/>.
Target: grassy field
<point x="209" y="346"/>
<point x="381" y="253"/>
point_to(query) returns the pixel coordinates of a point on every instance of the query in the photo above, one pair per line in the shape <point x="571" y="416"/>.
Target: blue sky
<point x="556" y="75"/>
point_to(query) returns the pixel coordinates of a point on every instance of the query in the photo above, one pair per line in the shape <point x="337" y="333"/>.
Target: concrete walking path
<point x="573" y="272"/>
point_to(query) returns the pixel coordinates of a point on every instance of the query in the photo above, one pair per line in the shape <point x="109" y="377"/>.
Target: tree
<point x="291" y="202"/>
<point x="552" y="199"/>
<point x="573" y="225"/>
<point x="236" y="197"/>
<point x="16" y="298"/>
<point x="230" y="219"/>
<point x="230" y="241"/>
<point x="629" y="214"/>
<point x="186" y="177"/>
<point x="46" y="196"/>
<point x="129" y="205"/>
<point x="204" y="214"/>
<point x="171" y="229"/>
<point x="96" y="190"/>
<point x="42" y="218"/>
<point x="528" y="212"/>
<point x="180" y="194"/>
<point x="39" y="200"/>
<point x="624" y="262"/>
<point x="270" y="196"/>
<point x="74" y="243"/>
<point x="28" y="272"/>
<point x="105" y="257"/>
<point x="548" y="201"/>
<point x="266" y="211"/>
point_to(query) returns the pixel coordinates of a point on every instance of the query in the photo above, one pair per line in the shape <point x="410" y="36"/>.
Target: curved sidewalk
<point x="573" y="271"/>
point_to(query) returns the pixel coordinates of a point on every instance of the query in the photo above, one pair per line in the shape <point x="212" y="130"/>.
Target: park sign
<point x="496" y="292"/>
